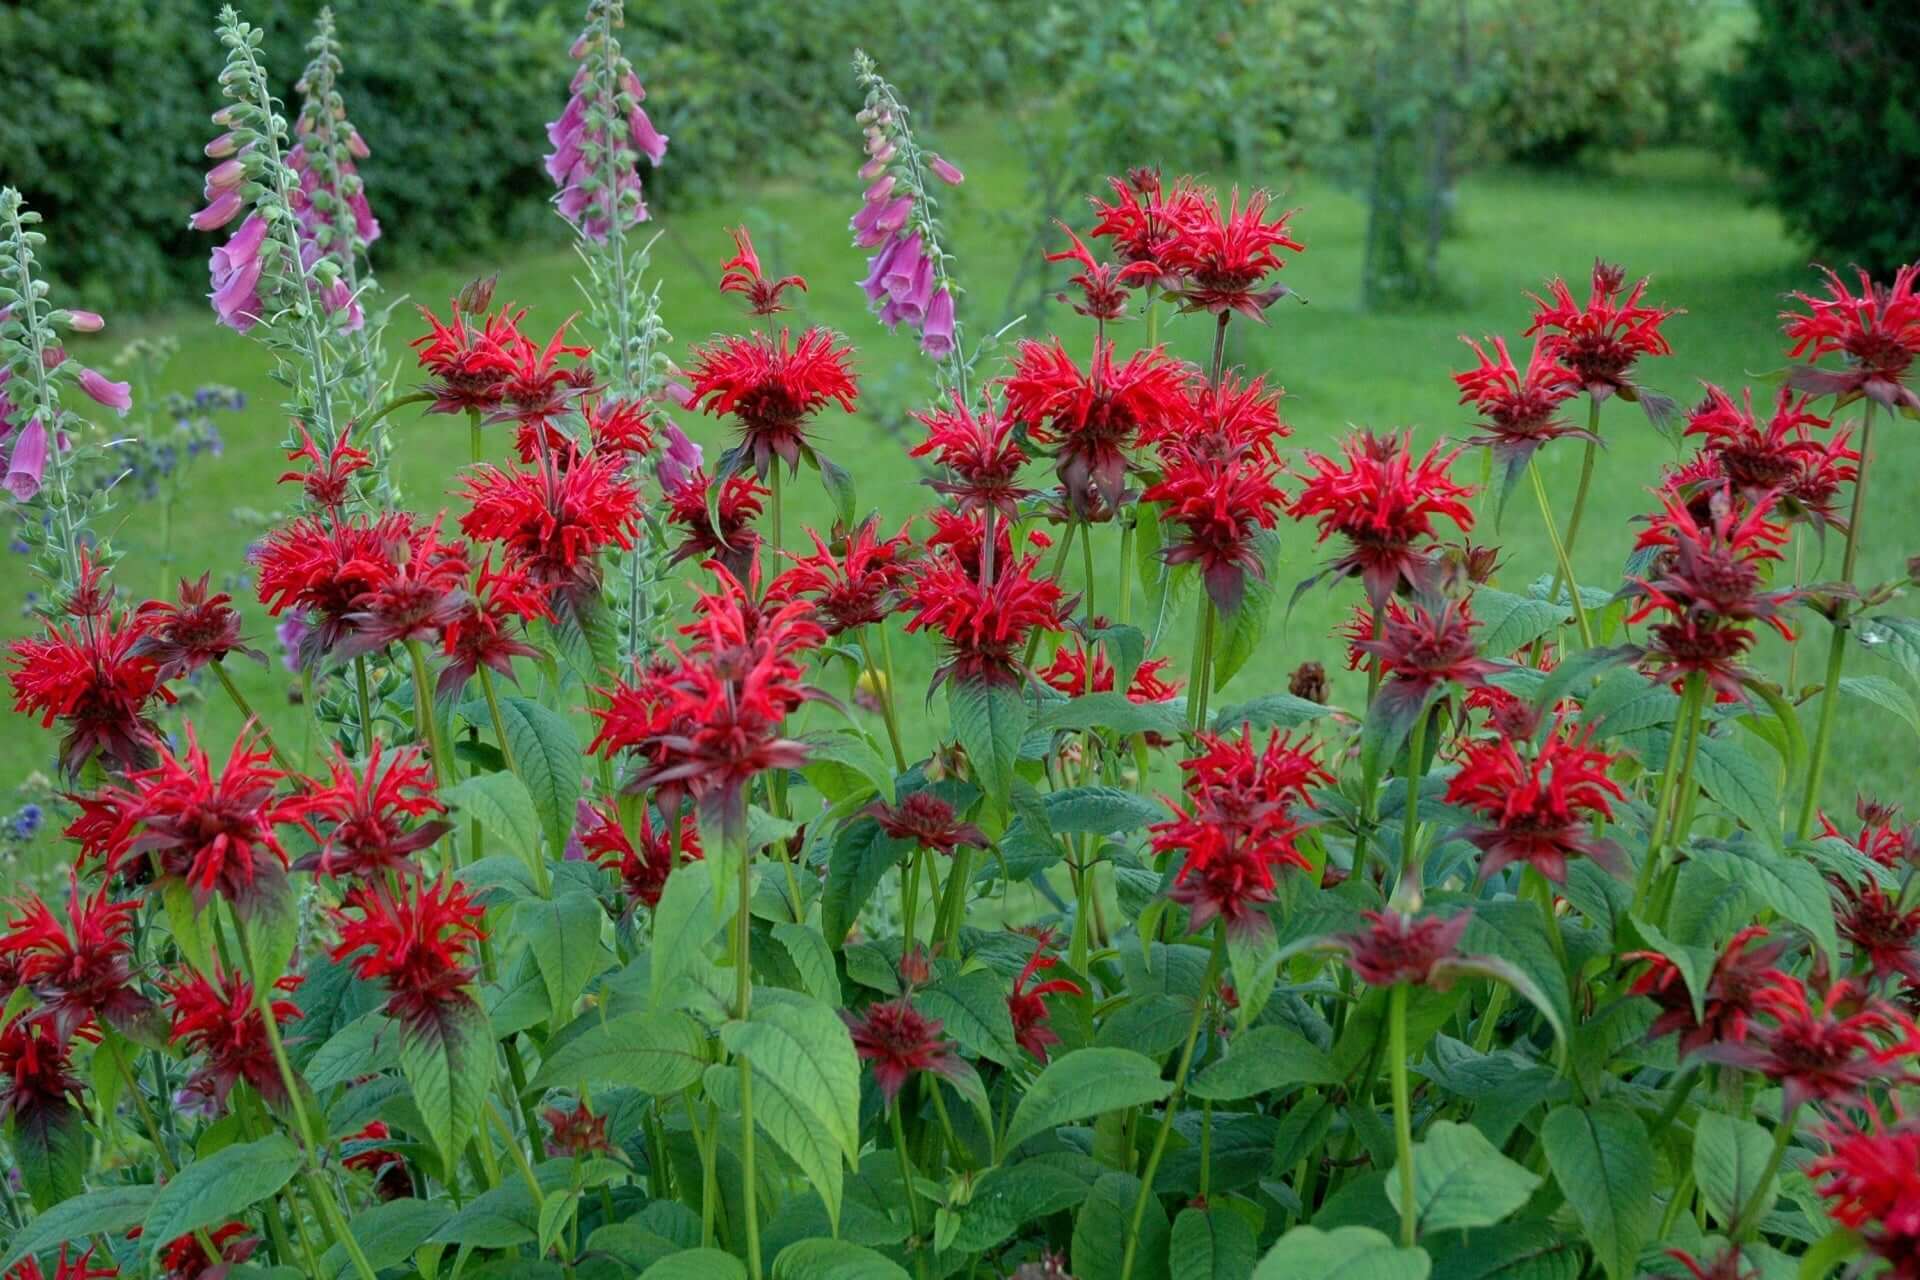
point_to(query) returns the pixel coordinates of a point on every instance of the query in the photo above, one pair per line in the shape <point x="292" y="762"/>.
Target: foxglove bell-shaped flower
<point x="600" y="136"/>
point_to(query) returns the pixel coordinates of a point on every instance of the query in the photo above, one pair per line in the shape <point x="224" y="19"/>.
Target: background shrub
<point x="1826" y="100"/>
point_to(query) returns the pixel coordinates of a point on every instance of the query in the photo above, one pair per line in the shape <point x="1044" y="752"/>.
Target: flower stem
<point x="1126" y="569"/>
<point x="1409" y="834"/>
<point x="474" y="447"/>
<point x="366" y="702"/>
<point x="1203" y="625"/>
<point x="1690" y="698"/>
<point x="1580" y="492"/>
<point x="429" y="727"/>
<point x="1560" y="554"/>
<point x="906" y="1185"/>
<point x="247" y="713"/>
<point x="1402" y="1112"/>
<point x="742" y="1006"/>
<point x="1053" y="575"/>
<point x="883" y="692"/>
<point x="1837" y="645"/>
<point x="1173" y="1099"/>
<point x="1086" y="571"/>
<point x="1757" y="1204"/>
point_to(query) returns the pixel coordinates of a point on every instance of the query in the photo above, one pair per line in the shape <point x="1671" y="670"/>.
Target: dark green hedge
<point x="107" y="104"/>
<point x="1827" y="101"/>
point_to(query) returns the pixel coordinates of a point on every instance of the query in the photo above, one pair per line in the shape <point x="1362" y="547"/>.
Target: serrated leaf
<point x="693" y="909"/>
<point x="499" y="802"/>
<point x="989" y="719"/>
<point x="563" y="933"/>
<point x="834" y="1260"/>
<point x="1264" y="1059"/>
<point x="1509" y="623"/>
<point x="550" y="761"/>
<point x="973" y="1008"/>
<point x="1344" y="1253"/>
<point x="1795" y="889"/>
<point x="108" y="1211"/>
<point x="1729" y="1156"/>
<point x="1882" y="692"/>
<point x="1111" y="711"/>
<point x="852" y="751"/>
<point x="806" y="1094"/>
<point x="1010" y="1196"/>
<point x="1461" y="1180"/>
<point x="1512" y="1251"/>
<point x="1098" y="810"/>
<point x="1211" y="1244"/>
<point x="1268" y="711"/>
<point x="1516" y="931"/>
<point x="1601" y="1158"/>
<point x="1085" y="1083"/>
<point x="368" y="1044"/>
<point x="812" y="958"/>
<point x="1239" y="633"/>
<point x="387" y="1235"/>
<point x="1104" y="1223"/>
<point x="1725" y="771"/>
<point x="656" y="1053"/>
<point x="861" y="856"/>
<point x="449" y="1066"/>
<point x="217" y="1188"/>
<point x="51" y="1149"/>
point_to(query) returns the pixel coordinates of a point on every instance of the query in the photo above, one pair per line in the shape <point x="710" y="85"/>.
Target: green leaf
<point x="1268" y="711"/>
<point x="1509" y="623"/>
<point x="1794" y="888"/>
<point x="448" y="1066"/>
<point x="1600" y="1156"/>
<point x="1211" y="1244"/>
<point x="989" y="719"/>
<point x="861" y="856"/>
<point x="368" y="1044"/>
<point x="1264" y="1059"/>
<point x="697" y="1264"/>
<point x="1729" y="1156"/>
<point x="1344" y="1253"/>
<point x="813" y="958"/>
<point x="1516" y="931"/>
<point x="1625" y="701"/>
<point x="1085" y="1083"/>
<point x="1512" y="1251"/>
<point x="1740" y="784"/>
<point x="849" y="750"/>
<point x="499" y="802"/>
<point x="272" y="920"/>
<point x="1101" y="811"/>
<point x="551" y="764"/>
<point x="1239" y="633"/>
<point x="1101" y="1229"/>
<point x="212" y="1190"/>
<point x="834" y="1260"/>
<point x="105" y="1212"/>
<point x="1886" y="693"/>
<point x="1112" y="711"/>
<point x="52" y="1148"/>
<point x="387" y="1234"/>
<point x="693" y="909"/>
<point x="564" y="935"/>
<point x="1009" y="1196"/>
<point x="1461" y="1180"/>
<point x="657" y="1053"/>
<point x="184" y="922"/>
<point x="973" y="1007"/>
<point x="806" y="1093"/>
<point x="838" y="482"/>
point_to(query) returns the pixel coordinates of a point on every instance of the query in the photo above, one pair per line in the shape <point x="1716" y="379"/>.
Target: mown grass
<point x="1680" y="216"/>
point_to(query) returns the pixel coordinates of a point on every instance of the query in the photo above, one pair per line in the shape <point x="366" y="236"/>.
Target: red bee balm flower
<point x="741" y="274"/>
<point x="926" y="820"/>
<point x="185" y="1259"/>
<point x="979" y="455"/>
<point x="643" y="871"/>
<point x="538" y="386"/>
<point x="416" y="941"/>
<point x="984" y="626"/>
<point x="1602" y="341"/>
<point x="1383" y="501"/>
<point x="216" y="834"/>
<point x="1394" y="948"/>
<point x="1521" y="410"/>
<point x="366" y="819"/>
<point x="900" y="1042"/>
<point x="1878" y="331"/>
<point x="1738" y="974"/>
<point x="1817" y="1052"/>
<point x="1873" y="1183"/>
<point x="1224" y="254"/>
<point x="575" y="1132"/>
<point x="328" y="478"/>
<point x="1074" y="675"/>
<point x="1883" y="934"/>
<point x="1146" y="218"/>
<point x="37" y="1083"/>
<point x="424" y="591"/>
<point x="79" y="970"/>
<point x="551" y="523"/>
<point x="1027" y="1005"/>
<point x="1091" y="419"/>
<point x="181" y="638"/>
<point x="481" y="633"/>
<point x="469" y="365"/>
<point x="1422" y="650"/>
<point x="1538" y="808"/>
<point x="219" y="1018"/>
<point x="859" y="586"/>
<point x="725" y="534"/>
<point x="78" y="1267"/>
<point x="772" y="387"/>
<point x="1216" y="508"/>
<point x="90" y="678"/>
<point x="1237" y="826"/>
<point x="1783" y="457"/>
<point x="325" y="569"/>
<point x="1103" y="287"/>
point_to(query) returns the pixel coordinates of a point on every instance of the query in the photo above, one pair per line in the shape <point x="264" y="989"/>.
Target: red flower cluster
<point x="1396" y="948"/>
<point x="979" y="456"/>
<point x="741" y="274"/>
<point x="1878" y="330"/>
<point x="1027" y="1005"/>
<point x="900" y="1042"/>
<point x="78" y="970"/>
<point x="772" y="387"/>
<point x="1538" y="808"/>
<point x="327" y="478"/>
<point x="1782" y="459"/>
<point x="1825" y="1052"/>
<point x="181" y="638"/>
<point x="1103" y="287"/>
<point x="725" y="533"/>
<point x="1238" y="823"/>
<point x="1215" y="506"/>
<point x="331" y="570"/>
<point x="1075" y="673"/>
<point x="468" y="365"/>
<point x="367" y="818"/>
<point x="1420" y="650"/>
<point x="1729" y="1002"/>
<point x="703" y="723"/>
<point x="984" y="625"/>
<point x="574" y="1132"/>
<point x="415" y="938"/>
<point x="1146" y="219"/>
<point x="1224" y="253"/>
<point x="217" y="1017"/>
<point x="481" y="632"/>
<point x="552" y="524"/>
<point x="859" y="586"/>
<point x="1091" y="419"/>
<point x="78" y="1267"/>
<point x="643" y="870"/>
<point x="1521" y="411"/>
<point x="1603" y="340"/>
<point x="1383" y="501"/>
<point x="1872" y="1180"/>
<point x="928" y="821"/>
<point x="1885" y="935"/>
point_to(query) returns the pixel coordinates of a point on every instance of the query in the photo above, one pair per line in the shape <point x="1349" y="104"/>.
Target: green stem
<point x="883" y="692"/>
<point x="1203" y="624"/>
<point x="1173" y="1101"/>
<point x="1402" y="1112"/>
<point x="1086" y="571"/>
<point x="1126" y="569"/>
<point x="366" y="702"/>
<point x="1580" y="492"/>
<point x="1757" y="1204"/>
<point x="907" y="1188"/>
<point x="412" y="397"/>
<point x="1837" y="644"/>
<point x="1536" y="884"/>
<point x="1560" y="554"/>
<point x="742" y="1006"/>
<point x="474" y="448"/>
<point x="1409" y="882"/>
<point x="428" y="730"/>
<point x="1053" y="575"/>
<point x="1690" y="699"/>
<point x="247" y="714"/>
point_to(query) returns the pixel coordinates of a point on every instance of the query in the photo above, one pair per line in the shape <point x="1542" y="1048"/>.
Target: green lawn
<point x="1680" y="216"/>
